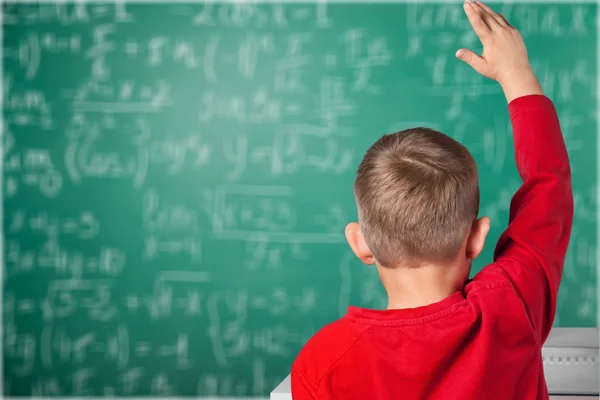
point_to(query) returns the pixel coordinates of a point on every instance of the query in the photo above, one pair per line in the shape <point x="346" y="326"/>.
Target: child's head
<point x="417" y="196"/>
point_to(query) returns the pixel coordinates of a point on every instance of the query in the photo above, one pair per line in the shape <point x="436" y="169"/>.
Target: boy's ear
<point x="357" y="243"/>
<point x="476" y="240"/>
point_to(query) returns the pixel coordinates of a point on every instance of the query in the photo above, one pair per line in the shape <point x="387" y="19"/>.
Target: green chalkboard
<point x="177" y="177"/>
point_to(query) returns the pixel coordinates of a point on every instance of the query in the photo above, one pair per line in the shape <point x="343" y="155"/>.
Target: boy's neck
<point x="416" y="287"/>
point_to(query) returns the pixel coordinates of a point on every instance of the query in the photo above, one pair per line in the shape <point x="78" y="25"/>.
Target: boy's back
<point x="484" y="341"/>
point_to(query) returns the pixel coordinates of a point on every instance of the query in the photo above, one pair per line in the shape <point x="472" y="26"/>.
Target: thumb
<point x="476" y="62"/>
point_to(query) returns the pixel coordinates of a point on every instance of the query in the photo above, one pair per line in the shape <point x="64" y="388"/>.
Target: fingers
<point x="476" y="62"/>
<point x="491" y="14"/>
<point x="485" y="15"/>
<point x="474" y="16"/>
<point x="505" y="21"/>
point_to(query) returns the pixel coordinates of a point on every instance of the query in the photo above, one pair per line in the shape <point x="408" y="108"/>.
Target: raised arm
<point x="532" y="250"/>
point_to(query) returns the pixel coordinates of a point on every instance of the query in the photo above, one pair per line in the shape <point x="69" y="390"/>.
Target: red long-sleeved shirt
<point x="483" y="342"/>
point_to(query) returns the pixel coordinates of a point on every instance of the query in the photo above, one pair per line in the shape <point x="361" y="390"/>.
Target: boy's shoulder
<point x="327" y="347"/>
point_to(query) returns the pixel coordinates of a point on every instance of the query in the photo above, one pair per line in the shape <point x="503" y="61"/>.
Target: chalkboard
<point x="177" y="177"/>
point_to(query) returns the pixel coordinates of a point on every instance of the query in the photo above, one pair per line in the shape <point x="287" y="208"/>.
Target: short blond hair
<point x="417" y="195"/>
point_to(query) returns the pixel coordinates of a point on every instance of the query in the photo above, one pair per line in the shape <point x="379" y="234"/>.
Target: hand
<point x="503" y="48"/>
<point x="504" y="58"/>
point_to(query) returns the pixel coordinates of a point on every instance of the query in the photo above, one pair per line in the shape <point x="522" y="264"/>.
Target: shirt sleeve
<point x="301" y="388"/>
<point x="532" y="250"/>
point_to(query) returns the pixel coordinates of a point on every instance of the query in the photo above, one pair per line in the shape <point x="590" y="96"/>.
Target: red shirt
<point x="483" y="342"/>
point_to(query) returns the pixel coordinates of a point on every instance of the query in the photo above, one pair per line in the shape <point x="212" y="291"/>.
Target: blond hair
<point x="417" y="195"/>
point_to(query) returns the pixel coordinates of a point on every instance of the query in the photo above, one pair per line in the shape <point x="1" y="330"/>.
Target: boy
<point x="442" y="336"/>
